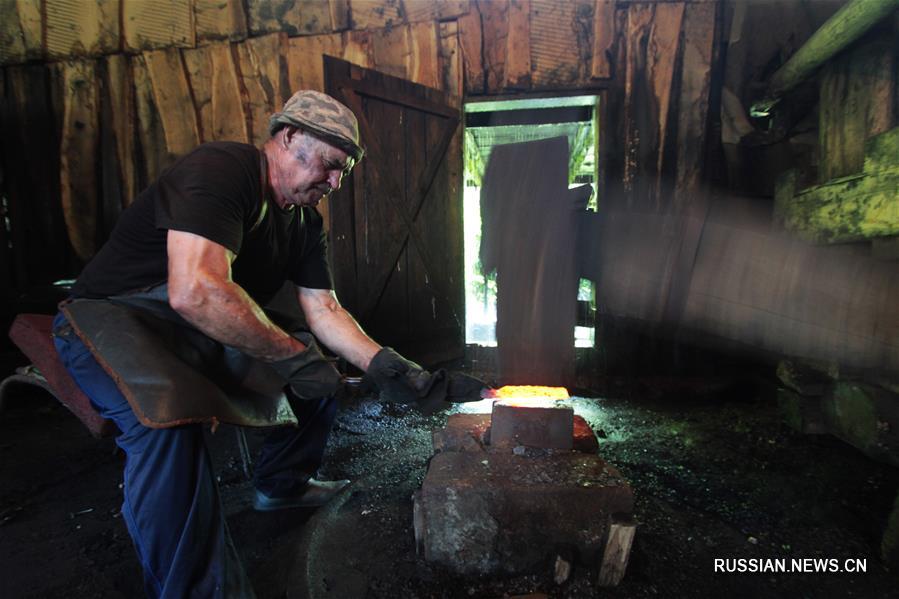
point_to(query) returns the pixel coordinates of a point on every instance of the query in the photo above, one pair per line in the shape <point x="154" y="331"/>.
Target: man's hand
<point x="309" y="374"/>
<point x="402" y="380"/>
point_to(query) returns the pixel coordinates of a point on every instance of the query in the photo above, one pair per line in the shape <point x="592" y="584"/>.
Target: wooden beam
<point x="78" y="155"/>
<point x="423" y="61"/>
<point x="603" y="39"/>
<point x="261" y="62"/>
<point x="495" y="24"/>
<point x="470" y="46"/>
<point x="216" y="91"/>
<point x="121" y="99"/>
<point x="158" y="24"/>
<point x="451" y="70"/>
<point x="171" y="93"/>
<point x="220" y="20"/>
<point x="82" y="27"/>
<point x="149" y="125"/>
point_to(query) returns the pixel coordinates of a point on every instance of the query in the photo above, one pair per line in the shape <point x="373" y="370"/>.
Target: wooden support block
<point x="82" y="27"/>
<point x="470" y="46"/>
<point x="78" y="155"/>
<point x="220" y="20"/>
<point x="377" y="14"/>
<point x="171" y="93"/>
<point x="262" y="62"/>
<point x="20" y="31"/>
<point x="423" y="59"/>
<point x="216" y="91"/>
<point x="119" y="83"/>
<point x="158" y="24"/>
<point x="617" y="551"/>
<point x="603" y="39"/>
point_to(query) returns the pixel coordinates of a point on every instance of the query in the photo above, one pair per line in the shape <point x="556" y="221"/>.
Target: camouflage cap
<point x="324" y="117"/>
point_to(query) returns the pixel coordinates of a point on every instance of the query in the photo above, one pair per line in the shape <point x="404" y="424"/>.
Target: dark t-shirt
<point x="216" y="192"/>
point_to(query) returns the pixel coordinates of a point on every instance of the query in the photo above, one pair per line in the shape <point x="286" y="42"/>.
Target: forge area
<point x="715" y="475"/>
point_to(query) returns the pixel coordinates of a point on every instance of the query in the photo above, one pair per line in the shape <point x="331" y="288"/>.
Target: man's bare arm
<point x="201" y="290"/>
<point x="335" y="327"/>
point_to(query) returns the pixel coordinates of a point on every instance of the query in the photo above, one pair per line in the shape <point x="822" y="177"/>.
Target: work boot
<point x="316" y="493"/>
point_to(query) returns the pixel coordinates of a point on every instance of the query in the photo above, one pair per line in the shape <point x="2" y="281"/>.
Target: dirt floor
<point x="715" y="476"/>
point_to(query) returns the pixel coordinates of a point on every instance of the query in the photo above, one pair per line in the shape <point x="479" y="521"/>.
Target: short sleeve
<point x="210" y="193"/>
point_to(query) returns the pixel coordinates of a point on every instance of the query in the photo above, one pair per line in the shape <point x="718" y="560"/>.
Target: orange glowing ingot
<point x="526" y="392"/>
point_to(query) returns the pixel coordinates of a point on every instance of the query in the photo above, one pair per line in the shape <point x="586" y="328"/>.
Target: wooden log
<point x="423" y="59"/>
<point x="78" y="155"/>
<point x="617" y="552"/>
<point x="451" y="70"/>
<point x="262" y="61"/>
<point x="603" y="39"/>
<point x="391" y="48"/>
<point x="220" y="20"/>
<point x="856" y="91"/>
<point x="518" y="45"/>
<point x="470" y="46"/>
<point x="377" y="14"/>
<point x="216" y="92"/>
<point x="20" y="31"/>
<point x="82" y="27"/>
<point x="119" y="83"/>
<point x="159" y="24"/>
<point x="171" y="93"/>
<point x="693" y="100"/>
<point x="495" y="24"/>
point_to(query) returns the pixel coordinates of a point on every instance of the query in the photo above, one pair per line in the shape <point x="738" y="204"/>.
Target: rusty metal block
<point x="546" y="425"/>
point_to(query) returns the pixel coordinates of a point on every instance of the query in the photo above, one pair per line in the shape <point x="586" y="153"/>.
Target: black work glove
<point x="309" y="374"/>
<point x="404" y="381"/>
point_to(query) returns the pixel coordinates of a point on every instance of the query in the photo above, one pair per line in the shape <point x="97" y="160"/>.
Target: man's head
<point x="314" y="143"/>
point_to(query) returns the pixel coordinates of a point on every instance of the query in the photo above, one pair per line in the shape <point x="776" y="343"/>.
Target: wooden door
<point x="396" y="224"/>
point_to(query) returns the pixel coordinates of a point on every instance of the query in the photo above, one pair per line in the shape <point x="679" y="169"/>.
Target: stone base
<point x="485" y="509"/>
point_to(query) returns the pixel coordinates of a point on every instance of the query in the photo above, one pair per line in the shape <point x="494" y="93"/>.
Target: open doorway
<point x="492" y="123"/>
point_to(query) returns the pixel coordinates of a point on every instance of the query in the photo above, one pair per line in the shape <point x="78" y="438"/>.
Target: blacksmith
<point x="167" y="330"/>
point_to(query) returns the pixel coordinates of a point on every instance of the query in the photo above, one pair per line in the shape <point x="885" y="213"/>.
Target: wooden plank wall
<point x="127" y="89"/>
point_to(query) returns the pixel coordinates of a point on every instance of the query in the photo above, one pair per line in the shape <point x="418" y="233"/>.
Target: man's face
<point x="310" y="169"/>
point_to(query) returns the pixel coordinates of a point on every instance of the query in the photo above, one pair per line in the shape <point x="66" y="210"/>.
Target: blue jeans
<point x="172" y="506"/>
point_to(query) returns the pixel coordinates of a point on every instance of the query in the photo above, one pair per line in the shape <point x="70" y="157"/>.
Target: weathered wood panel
<point x="518" y="44"/>
<point x="495" y="25"/>
<point x="158" y="24"/>
<point x="263" y="63"/>
<point x="561" y="41"/>
<point x="603" y="39"/>
<point x="693" y="101"/>
<point x="119" y="86"/>
<point x="78" y="155"/>
<point x="304" y="59"/>
<point x="216" y="91"/>
<point x="149" y="126"/>
<point x="391" y="48"/>
<point x="340" y="14"/>
<point x="220" y="20"/>
<point x="452" y="9"/>
<point x="470" y="46"/>
<point x="857" y="91"/>
<point x="20" y="31"/>
<point x="171" y="93"/>
<point x="82" y="27"/>
<point x="423" y="61"/>
<point x="451" y="70"/>
<point x="377" y="14"/>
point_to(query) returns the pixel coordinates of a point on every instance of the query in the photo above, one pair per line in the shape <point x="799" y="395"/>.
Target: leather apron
<point x="170" y="372"/>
